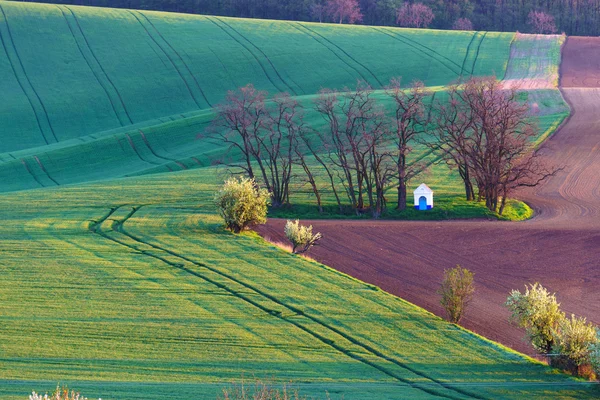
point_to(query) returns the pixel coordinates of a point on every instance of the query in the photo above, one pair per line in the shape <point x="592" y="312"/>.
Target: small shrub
<point x="260" y="391"/>
<point x="595" y="355"/>
<point x="241" y="204"/>
<point x="301" y="237"/>
<point x="575" y="339"/>
<point x="539" y="313"/>
<point x="61" y="393"/>
<point x="457" y="292"/>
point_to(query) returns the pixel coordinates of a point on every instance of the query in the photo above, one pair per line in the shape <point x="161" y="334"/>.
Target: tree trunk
<point x="401" y="181"/>
<point x="401" y="195"/>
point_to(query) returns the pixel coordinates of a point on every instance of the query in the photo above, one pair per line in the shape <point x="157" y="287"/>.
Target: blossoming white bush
<point x="300" y="236"/>
<point x="241" y="203"/>
<point x="59" y="394"/>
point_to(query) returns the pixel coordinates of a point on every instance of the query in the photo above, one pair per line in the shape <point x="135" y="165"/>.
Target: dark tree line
<point x="574" y="17"/>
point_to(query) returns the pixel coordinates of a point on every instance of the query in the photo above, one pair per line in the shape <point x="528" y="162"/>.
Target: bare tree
<point x="317" y="11"/>
<point x="541" y="22"/>
<point x="451" y="124"/>
<point x="416" y="15"/>
<point x="355" y="155"/>
<point x="240" y="118"/>
<point x="493" y="136"/>
<point x="344" y="10"/>
<point x="463" y="24"/>
<point x="264" y="136"/>
<point x="408" y="122"/>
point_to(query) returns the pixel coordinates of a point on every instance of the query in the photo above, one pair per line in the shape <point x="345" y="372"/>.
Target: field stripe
<point x="179" y="56"/>
<point x="462" y="69"/>
<point x="425" y="50"/>
<point x="263" y="53"/>
<point x="26" y="85"/>
<point x="99" y="64"/>
<point x="44" y="170"/>
<point x="31" y="173"/>
<point x="433" y="51"/>
<point x="477" y="54"/>
<point x="345" y="52"/>
<point x="173" y="60"/>
<point x="132" y="144"/>
<point x="185" y="82"/>
<point x="118" y="227"/>
<point x="23" y="89"/>
<point x="88" y="62"/>
<point x="249" y="51"/>
<point x="147" y="143"/>
<point x="330" y="49"/>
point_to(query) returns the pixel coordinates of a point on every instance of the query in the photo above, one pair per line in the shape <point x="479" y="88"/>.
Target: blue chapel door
<point x="422" y="203"/>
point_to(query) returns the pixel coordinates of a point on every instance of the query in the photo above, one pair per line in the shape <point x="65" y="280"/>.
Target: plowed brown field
<point x="560" y="247"/>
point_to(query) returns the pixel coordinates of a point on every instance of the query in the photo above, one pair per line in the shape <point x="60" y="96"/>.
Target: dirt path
<point x="560" y="248"/>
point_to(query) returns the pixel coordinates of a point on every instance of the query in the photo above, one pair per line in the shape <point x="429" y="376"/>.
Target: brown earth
<point x="560" y="247"/>
<point x="581" y="62"/>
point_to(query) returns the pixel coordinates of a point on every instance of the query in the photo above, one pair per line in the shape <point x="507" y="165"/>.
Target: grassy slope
<point x="140" y="67"/>
<point x="171" y="298"/>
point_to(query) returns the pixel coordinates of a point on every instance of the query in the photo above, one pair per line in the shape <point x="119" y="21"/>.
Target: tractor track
<point x="434" y="387"/>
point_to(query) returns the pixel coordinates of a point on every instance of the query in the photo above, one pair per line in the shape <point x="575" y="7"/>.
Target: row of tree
<point x="574" y="17"/>
<point x="364" y="147"/>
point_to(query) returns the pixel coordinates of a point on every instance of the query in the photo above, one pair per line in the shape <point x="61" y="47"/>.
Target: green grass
<point x="169" y="297"/>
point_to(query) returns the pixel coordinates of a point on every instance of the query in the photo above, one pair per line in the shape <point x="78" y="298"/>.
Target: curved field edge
<point x="134" y="282"/>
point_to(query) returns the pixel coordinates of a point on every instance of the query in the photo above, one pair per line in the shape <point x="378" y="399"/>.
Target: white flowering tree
<point x="301" y="237"/>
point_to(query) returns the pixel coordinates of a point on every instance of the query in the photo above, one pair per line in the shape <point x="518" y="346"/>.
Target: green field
<point x="114" y="286"/>
<point x="150" y="101"/>
<point x="123" y="283"/>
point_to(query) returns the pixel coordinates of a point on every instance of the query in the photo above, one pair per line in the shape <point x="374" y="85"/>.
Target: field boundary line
<point x="24" y="73"/>
<point x="264" y="55"/>
<point x="249" y="51"/>
<point x="98" y="61"/>
<point x="90" y="66"/>
<point x="430" y="53"/>
<point x="178" y="56"/>
<point x="119" y="228"/>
